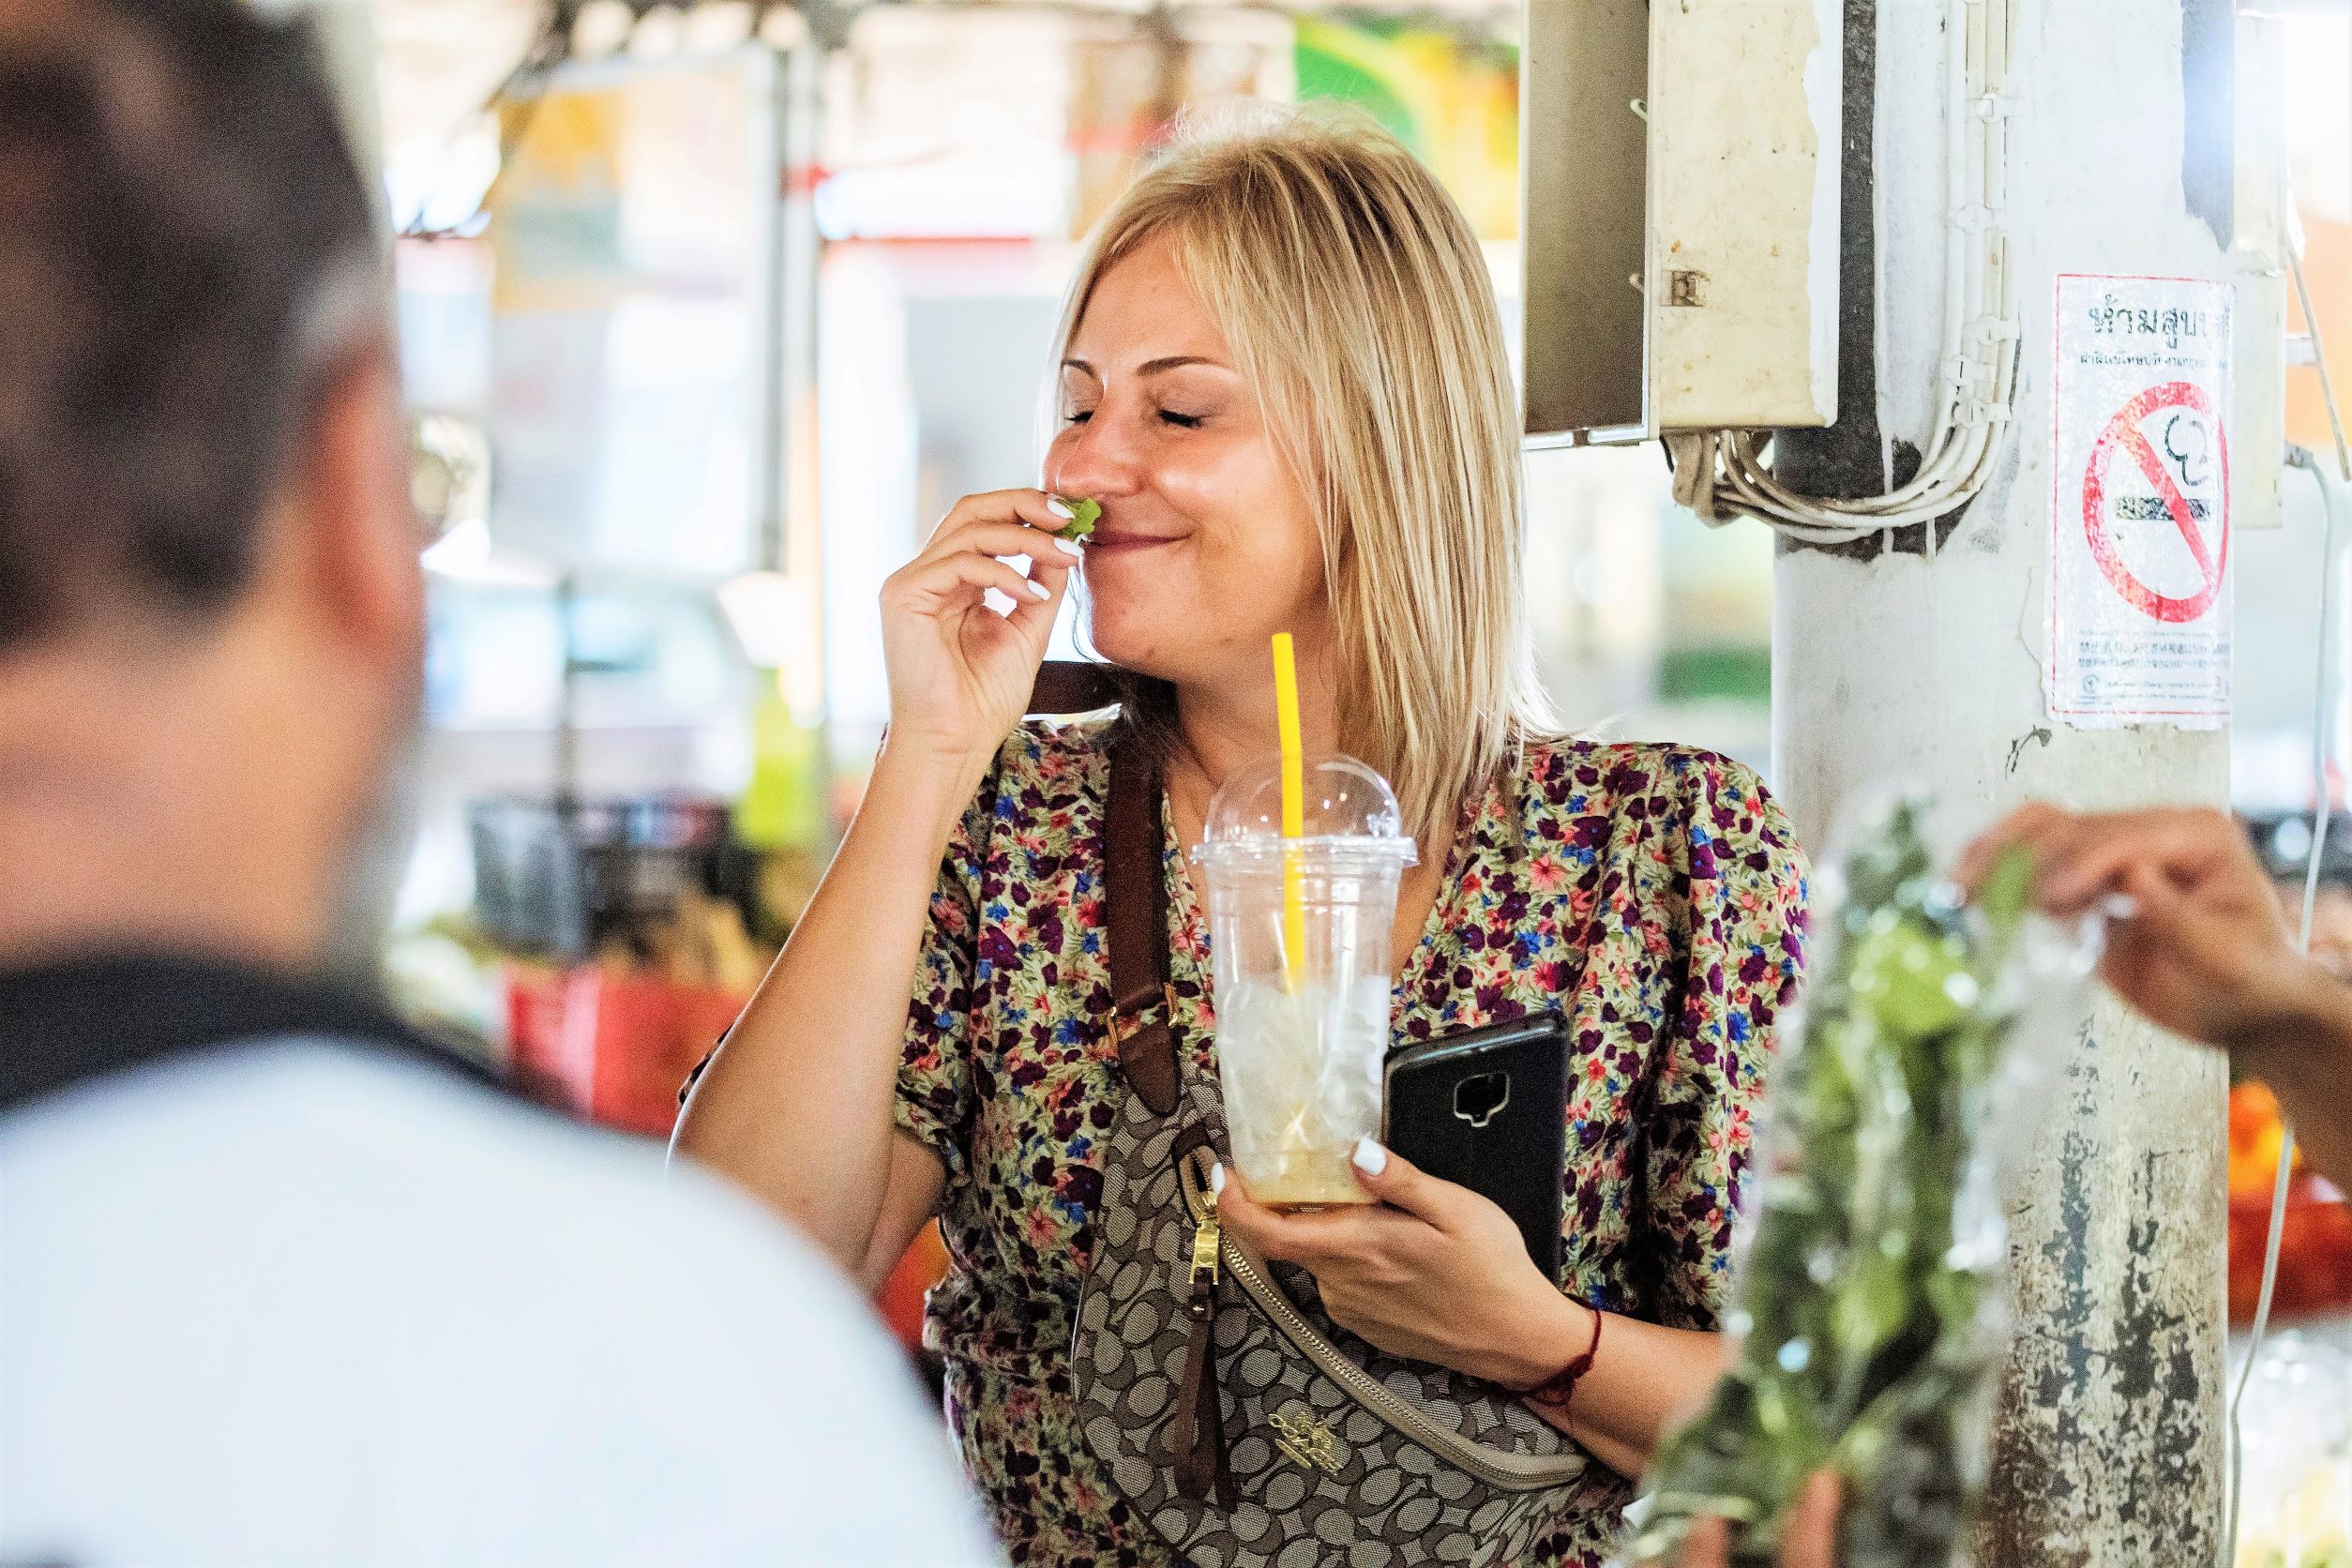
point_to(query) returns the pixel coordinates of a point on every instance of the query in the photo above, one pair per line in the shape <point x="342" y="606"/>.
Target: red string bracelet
<point x="1554" y="1392"/>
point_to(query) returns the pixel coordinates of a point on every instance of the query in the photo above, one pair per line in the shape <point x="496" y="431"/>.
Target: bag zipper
<point x="1509" y="1472"/>
<point x="1207" y="1235"/>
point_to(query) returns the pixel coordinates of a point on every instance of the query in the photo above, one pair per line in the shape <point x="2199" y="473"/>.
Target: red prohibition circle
<point x="2124" y="432"/>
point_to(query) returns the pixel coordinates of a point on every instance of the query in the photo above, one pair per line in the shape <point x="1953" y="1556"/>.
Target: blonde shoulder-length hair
<point x="1355" y="296"/>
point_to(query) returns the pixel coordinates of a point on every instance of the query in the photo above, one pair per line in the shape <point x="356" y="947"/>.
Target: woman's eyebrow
<point x="1152" y="367"/>
<point x="1177" y="362"/>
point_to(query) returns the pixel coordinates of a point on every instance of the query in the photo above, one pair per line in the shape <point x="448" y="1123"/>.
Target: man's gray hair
<point x="186" y="249"/>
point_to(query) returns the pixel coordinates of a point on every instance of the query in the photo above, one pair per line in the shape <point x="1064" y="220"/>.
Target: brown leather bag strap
<point x="1202" y="1467"/>
<point x="1134" y="889"/>
<point x="1142" y="1028"/>
<point x="1064" y="687"/>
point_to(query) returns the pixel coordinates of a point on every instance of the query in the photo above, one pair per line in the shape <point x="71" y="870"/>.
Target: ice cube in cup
<point x="1302" y="1077"/>
<point x="1302" y="1036"/>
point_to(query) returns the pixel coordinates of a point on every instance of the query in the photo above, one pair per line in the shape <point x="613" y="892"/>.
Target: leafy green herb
<point x="1084" y="514"/>
<point x="1863" y="1292"/>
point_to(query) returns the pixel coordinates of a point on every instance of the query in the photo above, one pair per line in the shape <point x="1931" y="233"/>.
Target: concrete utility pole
<point x="1896" y="664"/>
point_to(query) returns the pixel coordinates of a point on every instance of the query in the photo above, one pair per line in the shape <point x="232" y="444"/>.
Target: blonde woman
<point x="1283" y="376"/>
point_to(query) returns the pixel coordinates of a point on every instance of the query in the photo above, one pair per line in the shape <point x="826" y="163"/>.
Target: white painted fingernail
<point x="2120" y="906"/>
<point x="1370" y="1157"/>
<point x="1216" y="1178"/>
<point x="1069" y="547"/>
<point x="1059" y="508"/>
<point x="1039" y="591"/>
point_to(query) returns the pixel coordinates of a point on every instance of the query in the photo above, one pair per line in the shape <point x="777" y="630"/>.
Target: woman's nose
<point x="1101" y="457"/>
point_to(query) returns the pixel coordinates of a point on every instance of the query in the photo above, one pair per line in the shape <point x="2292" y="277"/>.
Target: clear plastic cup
<point x="1299" y="1055"/>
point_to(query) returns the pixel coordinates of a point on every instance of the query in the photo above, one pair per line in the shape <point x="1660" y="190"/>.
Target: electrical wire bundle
<point x="1723" y="474"/>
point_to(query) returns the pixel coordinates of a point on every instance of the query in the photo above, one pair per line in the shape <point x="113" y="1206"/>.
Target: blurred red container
<point x="615" y="1046"/>
<point x="2315" y="1244"/>
<point x="2315" y="1253"/>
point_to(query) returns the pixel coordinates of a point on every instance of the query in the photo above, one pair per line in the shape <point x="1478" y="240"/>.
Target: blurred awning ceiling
<point x="440" y="60"/>
<point x="443" y="57"/>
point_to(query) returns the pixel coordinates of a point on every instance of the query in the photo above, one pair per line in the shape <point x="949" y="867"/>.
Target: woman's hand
<point x="960" y="674"/>
<point x="1433" y="1271"/>
<point x="2201" y="946"/>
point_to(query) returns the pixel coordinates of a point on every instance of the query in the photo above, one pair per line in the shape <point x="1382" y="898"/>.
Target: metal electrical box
<point x="1681" y="231"/>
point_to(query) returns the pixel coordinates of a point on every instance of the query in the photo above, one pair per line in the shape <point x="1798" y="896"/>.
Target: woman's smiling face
<point x="1207" y="544"/>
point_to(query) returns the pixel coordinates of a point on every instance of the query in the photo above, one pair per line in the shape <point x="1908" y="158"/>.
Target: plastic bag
<point x="1870" y="1300"/>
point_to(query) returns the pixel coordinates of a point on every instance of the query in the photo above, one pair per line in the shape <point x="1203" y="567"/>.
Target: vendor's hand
<point x="2201" y="946"/>
<point x="960" y="674"/>
<point x="1432" y="1272"/>
<point x="1809" y="1539"/>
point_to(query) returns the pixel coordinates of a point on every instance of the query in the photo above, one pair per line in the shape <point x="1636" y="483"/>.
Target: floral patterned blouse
<point x="1654" y="894"/>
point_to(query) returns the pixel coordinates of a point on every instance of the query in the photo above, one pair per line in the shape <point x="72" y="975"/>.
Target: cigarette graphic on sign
<point x="2187" y="494"/>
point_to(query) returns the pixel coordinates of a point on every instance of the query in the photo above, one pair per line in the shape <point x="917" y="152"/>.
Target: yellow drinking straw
<point x="1293" y="810"/>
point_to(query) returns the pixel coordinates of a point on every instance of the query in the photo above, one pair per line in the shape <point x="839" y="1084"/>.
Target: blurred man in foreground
<point x="281" y="1282"/>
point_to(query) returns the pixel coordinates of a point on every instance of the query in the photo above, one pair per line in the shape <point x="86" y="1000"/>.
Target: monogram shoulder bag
<point x="1246" y="1425"/>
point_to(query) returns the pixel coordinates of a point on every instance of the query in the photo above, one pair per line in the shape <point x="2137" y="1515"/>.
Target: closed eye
<point x="1182" y="421"/>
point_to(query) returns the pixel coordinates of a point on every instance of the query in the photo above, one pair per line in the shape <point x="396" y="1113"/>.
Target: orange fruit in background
<point x="900" y="1299"/>
<point x="2251" y="1107"/>
<point x="2315" y="1244"/>
<point x="2255" y="1132"/>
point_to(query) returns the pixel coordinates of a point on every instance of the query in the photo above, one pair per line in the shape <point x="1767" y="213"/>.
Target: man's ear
<point x="354" y="511"/>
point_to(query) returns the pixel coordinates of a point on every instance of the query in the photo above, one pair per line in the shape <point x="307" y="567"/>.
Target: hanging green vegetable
<point x="1865" y="1296"/>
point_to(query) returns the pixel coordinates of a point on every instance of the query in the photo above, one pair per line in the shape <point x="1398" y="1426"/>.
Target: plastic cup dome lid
<point x="1348" y="806"/>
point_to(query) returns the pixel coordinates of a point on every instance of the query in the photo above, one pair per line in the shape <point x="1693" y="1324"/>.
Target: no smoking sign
<point x="2139" y="546"/>
<point x="2155" y="503"/>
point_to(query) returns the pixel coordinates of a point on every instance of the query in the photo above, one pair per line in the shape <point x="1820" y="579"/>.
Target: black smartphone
<point x="1488" y="1110"/>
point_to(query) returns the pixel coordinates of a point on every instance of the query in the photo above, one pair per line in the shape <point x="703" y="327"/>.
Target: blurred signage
<point x="1450" y="93"/>
<point x="948" y="125"/>
<point x="982" y="124"/>
<point x="631" y="401"/>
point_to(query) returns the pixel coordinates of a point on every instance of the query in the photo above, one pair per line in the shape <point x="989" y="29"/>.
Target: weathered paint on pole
<point x="1893" y="665"/>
